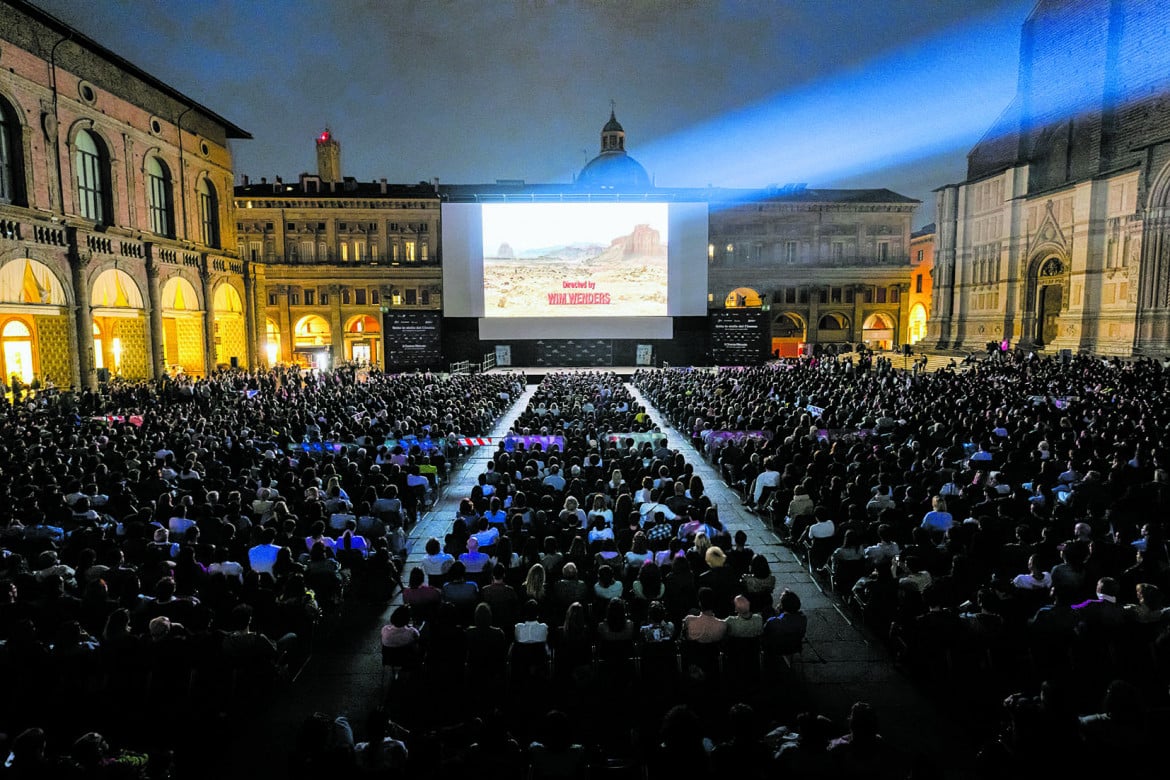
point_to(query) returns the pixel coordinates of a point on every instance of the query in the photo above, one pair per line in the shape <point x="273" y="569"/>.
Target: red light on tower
<point x="324" y="137"/>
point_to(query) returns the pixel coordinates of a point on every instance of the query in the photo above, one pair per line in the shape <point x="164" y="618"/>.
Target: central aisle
<point x="840" y="664"/>
<point x="463" y="478"/>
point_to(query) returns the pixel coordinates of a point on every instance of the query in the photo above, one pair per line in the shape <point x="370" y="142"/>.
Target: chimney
<point x="245" y="180"/>
<point x="328" y="157"/>
<point x="382" y="186"/>
<point x="263" y="179"/>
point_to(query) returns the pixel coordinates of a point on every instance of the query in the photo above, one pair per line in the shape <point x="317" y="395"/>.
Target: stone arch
<point x="789" y="331"/>
<point x="119" y="314"/>
<point x="231" y="340"/>
<point x="32" y="291"/>
<point x="28" y="282"/>
<point x="115" y="289"/>
<point x="916" y="327"/>
<point x="312" y="330"/>
<point x="742" y="297"/>
<point x="312" y="341"/>
<point x="227" y="299"/>
<point x="182" y="326"/>
<point x="879" y="330"/>
<point x="878" y="321"/>
<point x="1153" y="311"/>
<point x="88" y="124"/>
<point x="363" y="323"/>
<point x="834" y="327"/>
<point x="1159" y="192"/>
<point x="180" y="295"/>
<point x="158" y="153"/>
<point x="18" y="141"/>
<point x="14" y="103"/>
<point x="1046" y="297"/>
<point x="789" y="323"/>
<point x="363" y="340"/>
<point x="833" y="321"/>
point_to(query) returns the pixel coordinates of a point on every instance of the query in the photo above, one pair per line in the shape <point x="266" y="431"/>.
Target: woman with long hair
<point x="639" y="554"/>
<point x="534" y="584"/>
<point x="495" y="514"/>
<point x="758" y="584"/>
<point x="599" y="509"/>
<point x="574" y="642"/>
<point x="697" y="493"/>
<point x="617" y="626"/>
<point x="623" y="507"/>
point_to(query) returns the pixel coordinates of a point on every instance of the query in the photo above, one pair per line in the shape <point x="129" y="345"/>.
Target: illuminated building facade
<point x="116" y="244"/>
<point x="126" y="251"/>
<point x="832" y="266"/>
<point x="1059" y="238"/>
<point x="921" y="282"/>
<point x="331" y="255"/>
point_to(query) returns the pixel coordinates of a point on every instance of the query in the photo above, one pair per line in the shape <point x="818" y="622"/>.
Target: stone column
<point x="942" y="310"/>
<point x="287" y="334"/>
<point x="902" y="333"/>
<point x="208" y="318"/>
<point x="812" y="336"/>
<point x="260" y="312"/>
<point x="335" y="325"/>
<point x="78" y="262"/>
<point x="858" y="314"/>
<point x="249" y="317"/>
<point x="154" y="310"/>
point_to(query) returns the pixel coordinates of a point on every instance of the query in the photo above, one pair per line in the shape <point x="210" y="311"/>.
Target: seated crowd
<point x="180" y="544"/>
<point x="1003" y="527"/>
<point x="585" y="573"/>
<point x="171" y="547"/>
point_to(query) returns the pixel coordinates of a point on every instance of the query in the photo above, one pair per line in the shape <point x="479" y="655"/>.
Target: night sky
<point x="832" y="93"/>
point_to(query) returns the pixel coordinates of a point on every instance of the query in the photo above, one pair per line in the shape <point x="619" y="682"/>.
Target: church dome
<point x="613" y="168"/>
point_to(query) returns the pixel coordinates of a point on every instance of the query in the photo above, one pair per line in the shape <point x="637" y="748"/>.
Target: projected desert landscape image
<point x="558" y="260"/>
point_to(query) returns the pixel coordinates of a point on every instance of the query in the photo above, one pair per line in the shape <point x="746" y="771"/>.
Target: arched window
<point x="89" y="161"/>
<point x="208" y="213"/>
<point x="16" y="351"/>
<point x="11" y="170"/>
<point x="158" y="198"/>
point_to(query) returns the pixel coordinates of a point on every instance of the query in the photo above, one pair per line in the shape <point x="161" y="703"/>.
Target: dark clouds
<point x="478" y="90"/>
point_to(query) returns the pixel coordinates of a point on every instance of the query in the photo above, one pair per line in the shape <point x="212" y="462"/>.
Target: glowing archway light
<point x="939" y="94"/>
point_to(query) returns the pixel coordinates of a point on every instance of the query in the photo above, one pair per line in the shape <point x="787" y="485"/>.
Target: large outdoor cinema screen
<point x="557" y="270"/>
<point x="583" y="260"/>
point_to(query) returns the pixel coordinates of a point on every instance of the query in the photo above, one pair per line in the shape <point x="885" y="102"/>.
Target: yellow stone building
<point x="833" y="266"/>
<point x="331" y="255"/>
